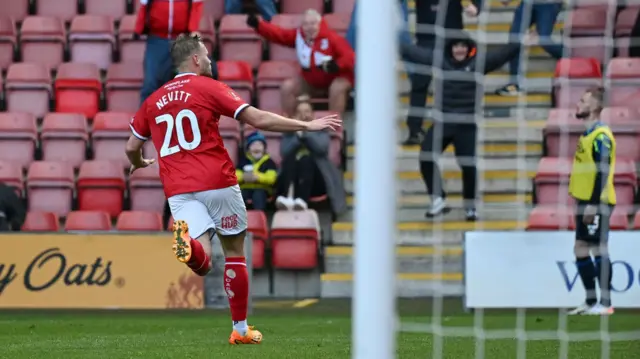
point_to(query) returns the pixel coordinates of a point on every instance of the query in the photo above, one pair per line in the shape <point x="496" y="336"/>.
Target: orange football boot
<point x="253" y="337"/>
<point x="181" y="241"/>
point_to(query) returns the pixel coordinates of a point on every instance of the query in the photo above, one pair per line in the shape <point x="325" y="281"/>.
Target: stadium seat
<point x="78" y="89"/>
<point x="28" y="88"/>
<point x="41" y="222"/>
<point x="619" y="220"/>
<point x="572" y="77"/>
<point x="18" y="136"/>
<point x="271" y="74"/>
<point x="115" y="9"/>
<point x="15" y="9"/>
<point x="338" y="22"/>
<point x="42" y="40"/>
<point x="145" y="190"/>
<point x="585" y="22"/>
<point x="300" y="6"/>
<point x="551" y="218"/>
<point x="214" y="9"/>
<point x="622" y="44"/>
<point x="131" y="48"/>
<point x="100" y="187"/>
<point x="626" y="127"/>
<point x="343" y="6"/>
<point x="238" y="41"/>
<point x="123" y="84"/>
<point x="140" y="221"/>
<point x="8" y="41"/>
<point x="64" y="138"/>
<point x="598" y="48"/>
<point x="273" y="142"/>
<point x="50" y="187"/>
<point x="208" y="33"/>
<point x="622" y="80"/>
<point x="238" y="75"/>
<point x="257" y="226"/>
<point x="625" y="20"/>
<point x="230" y="132"/>
<point x="92" y="40"/>
<point x="279" y="52"/>
<point x="64" y="10"/>
<point x="11" y="175"/>
<point x="88" y="221"/>
<point x="110" y="134"/>
<point x="295" y="237"/>
<point x="337" y="137"/>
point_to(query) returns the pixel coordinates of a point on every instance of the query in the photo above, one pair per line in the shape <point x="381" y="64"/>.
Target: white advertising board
<point x="537" y="270"/>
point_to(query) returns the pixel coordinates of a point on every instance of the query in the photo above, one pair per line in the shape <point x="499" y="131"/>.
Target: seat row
<point x="292" y="242"/>
<point x="553" y="218"/>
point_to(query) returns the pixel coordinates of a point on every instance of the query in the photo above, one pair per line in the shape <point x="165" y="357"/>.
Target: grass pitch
<point x="319" y="331"/>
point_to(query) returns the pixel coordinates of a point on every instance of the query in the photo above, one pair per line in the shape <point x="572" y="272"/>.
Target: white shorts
<point x="222" y="210"/>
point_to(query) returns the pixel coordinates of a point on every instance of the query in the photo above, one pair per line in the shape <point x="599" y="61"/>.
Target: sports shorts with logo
<point x="222" y="210"/>
<point x="596" y="232"/>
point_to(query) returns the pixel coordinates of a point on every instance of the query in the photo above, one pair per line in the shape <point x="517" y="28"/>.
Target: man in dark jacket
<point x="431" y="15"/>
<point x="12" y="211"/>
<point x="455" y="93"/>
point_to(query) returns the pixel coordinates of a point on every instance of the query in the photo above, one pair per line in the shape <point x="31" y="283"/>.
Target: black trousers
<point x="259" y="198"/>
<point x="436" y="140"/>
<point x="305" y="176"/>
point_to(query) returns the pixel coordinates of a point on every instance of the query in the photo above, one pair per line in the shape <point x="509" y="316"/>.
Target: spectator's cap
<point x="256" y="136"/>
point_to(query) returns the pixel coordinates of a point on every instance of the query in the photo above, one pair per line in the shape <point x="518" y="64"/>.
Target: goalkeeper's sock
<point x="587" y="272"/>
<point x="604" y="272"/>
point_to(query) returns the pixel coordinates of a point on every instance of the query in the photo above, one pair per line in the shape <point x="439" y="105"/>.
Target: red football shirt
<point x="181" y="118"/>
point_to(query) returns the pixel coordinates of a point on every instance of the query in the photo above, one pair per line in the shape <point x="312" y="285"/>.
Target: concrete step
<point x="495" y="131"/>
<point x="493" y="83"/>
<point x="491" y="116"/>
<point x="339" y="259"/>
<point x="484" y="149"/>
<point x="541" y="99"/>
<point x="340" y="285"/>
<point x="426" y="233"/>
<point x="420" y="200"/>
<point x="487" y="211"/>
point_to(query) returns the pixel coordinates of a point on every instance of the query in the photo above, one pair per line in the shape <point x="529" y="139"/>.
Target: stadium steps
<point x="488" y="149"/>
<point x="490" y="212"/>
<point x="493" y="100"/>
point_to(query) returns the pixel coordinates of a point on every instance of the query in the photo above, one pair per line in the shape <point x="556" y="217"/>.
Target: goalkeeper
<point x="455" y="96"/>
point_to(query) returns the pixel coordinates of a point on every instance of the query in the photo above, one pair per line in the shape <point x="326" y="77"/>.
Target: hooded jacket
<point x="458" y="86"/>
<point x="327" y="45"/>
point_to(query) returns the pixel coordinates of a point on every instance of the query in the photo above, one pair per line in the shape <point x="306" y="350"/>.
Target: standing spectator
<point x="256" y="172"/>
<point x="12" y="211"/>
<point x="544" y="16"/>
<point x="162" y="21"/>
<point x="405" y="37"/>
<point x="266" y="8"/>
<point x="306" y="167"/>
<point x="431" y="14"/>
<point x="326" y="59"/>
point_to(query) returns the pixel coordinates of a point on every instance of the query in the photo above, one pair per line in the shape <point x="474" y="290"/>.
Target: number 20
<point x="165" y="150"/>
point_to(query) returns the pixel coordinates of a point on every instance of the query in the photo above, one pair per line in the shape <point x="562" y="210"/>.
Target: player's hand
<point x="144" y="163"/>
<point x="252" y="20"/>
<point x="471" y="10"/>
<point x="331" y="122"/>
<point x="249" y="177"/>
<point x="589" y="214"/>
<point x="530" y="38"/>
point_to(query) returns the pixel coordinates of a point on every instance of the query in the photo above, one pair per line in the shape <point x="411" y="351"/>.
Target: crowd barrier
<point x="537" y="270"/>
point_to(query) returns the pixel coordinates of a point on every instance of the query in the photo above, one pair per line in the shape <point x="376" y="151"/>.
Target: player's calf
<point x="189" y="251"/>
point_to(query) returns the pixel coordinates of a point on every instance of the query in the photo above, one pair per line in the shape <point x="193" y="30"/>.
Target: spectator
<point x="12" y="211"/>
<point x="256" y="172"/>
<point x="326" y="59"/>
<point x="405" y="37"/>
<point x="306" y="168"/>
<point x="266" y="8"/>
<point x="544" y="16"/>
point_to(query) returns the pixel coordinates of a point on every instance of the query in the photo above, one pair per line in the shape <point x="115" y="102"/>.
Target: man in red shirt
<point x="198" y="177"/>
<point x="326" y="59"/>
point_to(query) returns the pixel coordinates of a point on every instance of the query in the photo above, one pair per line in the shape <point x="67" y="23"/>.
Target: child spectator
<point x="256" y="172"/>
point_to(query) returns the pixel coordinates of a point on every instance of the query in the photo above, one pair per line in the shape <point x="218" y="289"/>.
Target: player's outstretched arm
<point x="269" y="121"/>
<point x="133" y="150"/>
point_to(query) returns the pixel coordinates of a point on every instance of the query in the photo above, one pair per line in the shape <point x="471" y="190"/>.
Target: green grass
<point x="322" y="331"/>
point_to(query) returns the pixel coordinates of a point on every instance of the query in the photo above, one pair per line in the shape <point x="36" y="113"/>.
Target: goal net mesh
<point x="515" y="122"/>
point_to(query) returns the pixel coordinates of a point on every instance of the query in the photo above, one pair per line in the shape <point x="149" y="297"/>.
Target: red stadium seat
<point x="145" y="190"/>
<point x="101" y="186"/>
<point x="271" y="74"/>
<point x="619" y="220"/>
<point x="572" y="78"/>
<point x="295" y="237"/>
<point x="50" y="187"/>
<point x="561" y="132"/>
<point x="622" y="46"/>
<point x="78" y="89"/>
<point x="238" y="41"/>
<point x="598" y="48"/>
<point x="110" y="134"/>
<point x="257" y="226"/>
<point x="238" y="75"/>
<point x="88" y="221"/>
<point x="64" y="138"/>
<point x="625" y="20"/>
<point x="624" y="69"/>
<point x="11" y="175"/>
<point x="131" y="48"/>
<point x="41" y="222"/>
<point x="28" y="88"/>
<point x="338" y="22"/>
<point x="230" y="132"/>
<point x="626" y="127"/>
<point x="18" y="136"/>
<point x="124" y="81"/>
<point x="337" y="138"/>
<point x="15" y="9"/>
<point x="208" y="33"/>
<point x="279" y="52"/>
<point x="300" y="6"/>
<point x="214" y="9"/>
<point x="273" y="142"/>
<point x="139" y="221"/>
<point x="64" y="10"/>
<point x="115" y="9"/>
<point x="92" y="40"/>
<point x="585" y="22"/>
<point x="8" y="41"/>
<point x="551" y="218"/>
<point x="42" y="40"/>
<point x="343" y="6"/>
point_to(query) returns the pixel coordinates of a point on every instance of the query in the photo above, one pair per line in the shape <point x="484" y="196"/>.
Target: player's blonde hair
<point x="184" y="47"/>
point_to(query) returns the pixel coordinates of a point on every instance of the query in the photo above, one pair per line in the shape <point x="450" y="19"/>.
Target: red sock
<point x="200" y="262"/>
<point x="236" y="284"/>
